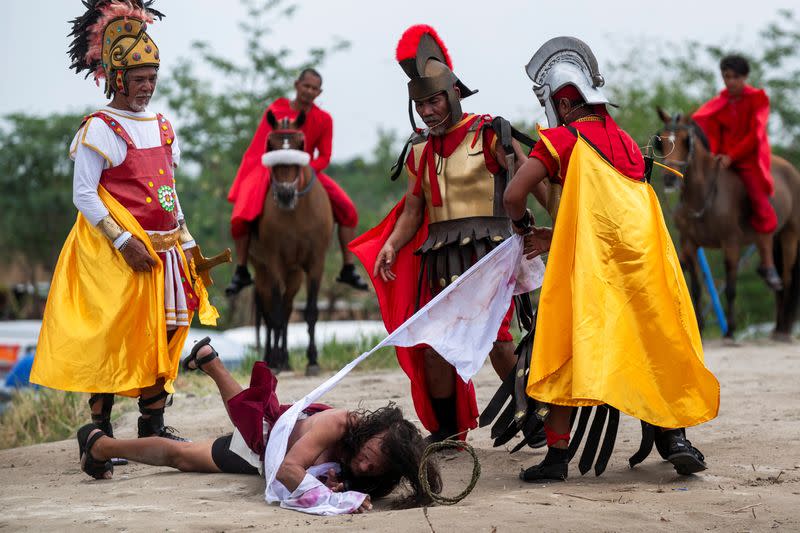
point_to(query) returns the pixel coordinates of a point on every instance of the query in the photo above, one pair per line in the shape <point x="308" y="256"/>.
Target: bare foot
<point x="97" y="452"/>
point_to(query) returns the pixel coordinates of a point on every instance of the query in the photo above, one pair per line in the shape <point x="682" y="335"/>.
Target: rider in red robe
<point x="252" y="180"/>
<point x="735" y="123"/>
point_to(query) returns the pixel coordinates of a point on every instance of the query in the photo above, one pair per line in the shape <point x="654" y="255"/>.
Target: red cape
<point x="704" y="115"/>
<point x="397" y="301"/>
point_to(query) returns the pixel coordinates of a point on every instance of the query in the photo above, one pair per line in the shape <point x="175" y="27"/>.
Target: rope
<point x="423" y="470"/>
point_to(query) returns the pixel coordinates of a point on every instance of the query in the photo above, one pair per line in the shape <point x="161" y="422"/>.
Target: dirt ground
<point x="753" y="481"/>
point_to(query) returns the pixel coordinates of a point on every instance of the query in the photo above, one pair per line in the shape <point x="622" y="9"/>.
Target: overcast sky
<point x="364" y="88"/>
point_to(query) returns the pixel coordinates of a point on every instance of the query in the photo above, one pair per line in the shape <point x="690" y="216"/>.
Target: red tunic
<point x="602" y="133"/>
<point x="397" y="299"/>
<point x="737" y="127"/>
<point x="144" y="184"/>
<point x="252" y="179"/>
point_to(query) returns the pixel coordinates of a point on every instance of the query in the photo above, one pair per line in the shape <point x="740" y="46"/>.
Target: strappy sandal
<point x="198" y="363"/>
<point x="95" y="468"/>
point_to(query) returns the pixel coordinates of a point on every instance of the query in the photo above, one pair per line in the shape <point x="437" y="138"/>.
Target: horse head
<point x="286" y="158"/>
<point x="675" y="143"/>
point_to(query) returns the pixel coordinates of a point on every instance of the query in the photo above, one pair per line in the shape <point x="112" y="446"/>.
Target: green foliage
<point x="680" y="76"/>
<point x="36" y="209"/>
<point x="46" y="415"/>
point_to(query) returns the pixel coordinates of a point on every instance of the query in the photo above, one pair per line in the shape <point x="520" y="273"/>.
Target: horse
<point x="290" y="241"/>
<point x="713" y="213"/>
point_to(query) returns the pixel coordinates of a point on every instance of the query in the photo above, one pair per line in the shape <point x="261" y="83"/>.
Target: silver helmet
<point x="563" y="61"/>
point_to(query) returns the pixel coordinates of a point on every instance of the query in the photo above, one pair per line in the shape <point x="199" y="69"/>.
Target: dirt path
<point x="753" y="483"/>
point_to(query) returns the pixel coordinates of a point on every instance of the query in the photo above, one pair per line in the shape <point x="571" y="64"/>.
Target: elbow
<point x="511" y="200"/>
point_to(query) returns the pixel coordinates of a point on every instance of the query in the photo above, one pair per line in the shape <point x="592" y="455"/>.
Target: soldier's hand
<point x="136" y="255"/>
<point x="724" y="161"/>
<point x="537" y="242"/>
<point x="384" y="262"/>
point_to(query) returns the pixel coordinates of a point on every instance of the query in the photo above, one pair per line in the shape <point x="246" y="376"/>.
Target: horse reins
<point x="683" y="167"/>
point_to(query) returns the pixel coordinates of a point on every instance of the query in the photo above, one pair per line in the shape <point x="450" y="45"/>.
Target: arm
<point x="405" y="228"/>
<point x="308" y="494"/>
<point x="540" y="190"/>
<point x="89" y="164"/>
<point x="324" y="146"/>
<point x="757" y="126"/>
<point x="528" y="179"/>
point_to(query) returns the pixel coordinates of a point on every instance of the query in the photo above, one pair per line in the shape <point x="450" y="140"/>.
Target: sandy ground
<point x="753" y="483"/>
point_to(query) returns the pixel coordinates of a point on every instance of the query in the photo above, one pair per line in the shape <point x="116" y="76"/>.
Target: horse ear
<point x="271" y="119"/>
<point x="663" y="115"/>
<point x="300" y="120"/>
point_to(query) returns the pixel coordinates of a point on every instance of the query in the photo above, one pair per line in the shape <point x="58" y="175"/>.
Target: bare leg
<point x="228" y="387"/>
<point x="157" y="451"/>
<point x="502" y="358"/>
<point x="439" y="375"/>
<point x="558" y="420"/>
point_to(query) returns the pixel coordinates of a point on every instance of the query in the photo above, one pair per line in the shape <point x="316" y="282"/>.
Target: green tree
<point x="219" y="115"/>
<point x="36" y="210"/>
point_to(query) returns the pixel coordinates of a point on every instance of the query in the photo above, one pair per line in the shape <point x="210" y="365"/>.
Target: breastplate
<point x="466" y="185"/>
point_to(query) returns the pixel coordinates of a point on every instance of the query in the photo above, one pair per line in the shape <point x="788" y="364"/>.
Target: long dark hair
<point x="402" y="446"/>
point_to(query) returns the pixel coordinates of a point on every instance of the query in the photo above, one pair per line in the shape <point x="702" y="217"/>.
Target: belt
<point x="165" y="241"/>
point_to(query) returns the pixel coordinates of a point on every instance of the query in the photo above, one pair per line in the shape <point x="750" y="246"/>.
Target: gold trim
<point x="550" y="148"/>
<point x="459" y="123"/>
<point x="126" y="116"/>
<point x="98" y="151"/>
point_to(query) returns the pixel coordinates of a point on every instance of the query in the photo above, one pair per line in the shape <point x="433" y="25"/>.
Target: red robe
<point x="737" y="127"/>
<point x="252" y="180"/>
<point x="397" y="299"/>
<point x="604" y="134"/>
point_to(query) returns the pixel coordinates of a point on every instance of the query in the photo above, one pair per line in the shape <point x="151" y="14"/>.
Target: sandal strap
<point x="144" y="402"/>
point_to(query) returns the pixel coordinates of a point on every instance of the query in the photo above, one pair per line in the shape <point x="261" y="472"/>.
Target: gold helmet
<point x="111" y="38"/>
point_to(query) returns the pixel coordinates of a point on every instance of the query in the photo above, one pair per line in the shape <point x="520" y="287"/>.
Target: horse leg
<point x="275" y="322"/>
<point x="311" y="315"/>
<point x="731" y="253"/>
<point x="786" y="301"/>
<point x="293" y="281"/>
<point x="689" y="262"/>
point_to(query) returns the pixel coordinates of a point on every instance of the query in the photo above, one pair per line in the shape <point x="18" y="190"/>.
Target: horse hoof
<point x="782" y="337"/>
<point x="312" y="370"/>
<point x="730" y="342"/>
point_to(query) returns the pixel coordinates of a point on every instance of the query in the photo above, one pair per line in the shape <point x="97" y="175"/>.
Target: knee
<point x="434" y="362"/>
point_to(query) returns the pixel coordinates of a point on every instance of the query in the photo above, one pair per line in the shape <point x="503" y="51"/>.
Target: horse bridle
<point x="683" y="165"/>
<point x="291" y="188"/>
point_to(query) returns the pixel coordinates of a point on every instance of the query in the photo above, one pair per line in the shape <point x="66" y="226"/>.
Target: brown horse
<point x="713" y="213"/>
<point x="293" y="234"/>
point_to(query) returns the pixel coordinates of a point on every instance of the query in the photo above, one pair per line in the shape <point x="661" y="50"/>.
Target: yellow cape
<point x="104" y="328"/>
<point x="615" y="322"/>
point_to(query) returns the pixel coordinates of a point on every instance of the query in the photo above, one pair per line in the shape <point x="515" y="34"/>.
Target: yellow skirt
<point x="104" y="327"/>
<point x="615" y="322"/>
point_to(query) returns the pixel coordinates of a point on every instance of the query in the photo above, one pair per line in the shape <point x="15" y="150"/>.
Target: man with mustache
<point x="451" y="216"/>
<point x="123" y="293"/>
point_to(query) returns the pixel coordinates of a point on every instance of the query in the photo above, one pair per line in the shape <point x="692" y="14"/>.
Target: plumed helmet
<point x="425" y="60"/>
<point x="110" y="38"/>
<point x="563" y="61"/>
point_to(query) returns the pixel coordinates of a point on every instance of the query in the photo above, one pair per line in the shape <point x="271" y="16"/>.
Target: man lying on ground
<point x="358" y="455"/>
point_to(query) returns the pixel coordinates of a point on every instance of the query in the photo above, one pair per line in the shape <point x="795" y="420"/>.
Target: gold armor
<point x="466" y="185"/>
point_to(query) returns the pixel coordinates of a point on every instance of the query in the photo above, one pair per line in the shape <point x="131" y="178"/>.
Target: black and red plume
<point x="84" y="50"/>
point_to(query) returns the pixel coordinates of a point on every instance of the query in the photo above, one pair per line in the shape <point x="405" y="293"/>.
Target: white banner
<point x="460" y="323"/>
